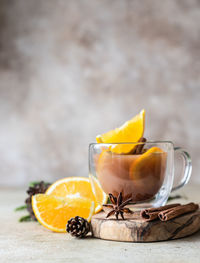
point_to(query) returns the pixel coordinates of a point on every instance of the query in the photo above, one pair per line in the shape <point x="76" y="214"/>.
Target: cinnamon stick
<point x="177" y="211"/>
<point x="152" y="213"/>
<point x="139" y="147"/>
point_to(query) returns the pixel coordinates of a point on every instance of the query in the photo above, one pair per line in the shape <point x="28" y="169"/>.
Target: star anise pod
<point x="118" y="206"/>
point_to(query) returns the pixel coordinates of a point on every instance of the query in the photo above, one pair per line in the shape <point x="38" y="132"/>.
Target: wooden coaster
<point x="135" y="229"/>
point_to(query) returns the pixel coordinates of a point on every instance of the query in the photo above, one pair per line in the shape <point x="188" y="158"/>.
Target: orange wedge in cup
<point x="149" y="164"/>
<point x="130" y="131"/>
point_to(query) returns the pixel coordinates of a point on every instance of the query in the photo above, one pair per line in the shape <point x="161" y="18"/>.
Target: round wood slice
<point x="135" y="229"/>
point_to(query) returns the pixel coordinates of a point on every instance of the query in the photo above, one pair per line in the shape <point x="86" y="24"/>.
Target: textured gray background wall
<point x="72" y="69"/>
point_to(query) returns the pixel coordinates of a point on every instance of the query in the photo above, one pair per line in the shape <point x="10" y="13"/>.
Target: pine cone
<point x="78" y="226"/>
<point x="37" y="188"/>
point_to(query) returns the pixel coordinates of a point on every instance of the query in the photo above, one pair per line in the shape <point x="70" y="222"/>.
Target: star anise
<point x="118" y="206"/>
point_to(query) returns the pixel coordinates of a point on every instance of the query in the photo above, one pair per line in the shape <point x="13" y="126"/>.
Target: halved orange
<point x="130" y="131"/>
<point x="79" y="187"/>
<point x="53" y="212"/>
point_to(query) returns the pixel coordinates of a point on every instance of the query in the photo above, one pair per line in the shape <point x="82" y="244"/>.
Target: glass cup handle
<point x="187" y="168"/>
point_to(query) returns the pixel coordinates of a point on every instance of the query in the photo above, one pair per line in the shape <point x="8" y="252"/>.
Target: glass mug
<point x="147" y="177"/>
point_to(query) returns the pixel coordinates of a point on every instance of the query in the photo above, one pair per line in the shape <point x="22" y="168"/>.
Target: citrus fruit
<point x="53" y="212"/>
<point x="151" y="163"/>
<point x="147" y="173"/>
<point x="130" y="131"/>
<point x="78" y="187"/>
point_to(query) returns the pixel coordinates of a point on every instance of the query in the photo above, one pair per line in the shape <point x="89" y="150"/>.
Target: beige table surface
<point x="30" y="242"/>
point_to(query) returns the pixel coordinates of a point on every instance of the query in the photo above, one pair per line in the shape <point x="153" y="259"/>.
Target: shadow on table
<point x="192" y="238"/>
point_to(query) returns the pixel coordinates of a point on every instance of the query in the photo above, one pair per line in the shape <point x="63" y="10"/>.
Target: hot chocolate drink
<point x="138" y="175"/>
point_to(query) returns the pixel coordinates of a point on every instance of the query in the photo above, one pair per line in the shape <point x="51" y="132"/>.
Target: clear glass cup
<point x="148" y="177"/>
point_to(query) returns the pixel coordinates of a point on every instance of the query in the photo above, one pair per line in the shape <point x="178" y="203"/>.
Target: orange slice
<point x="79" y="187"/>
<point x="53" y="212"/>
<point x="130" y="131"/>
<point x="148" y="164"/>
